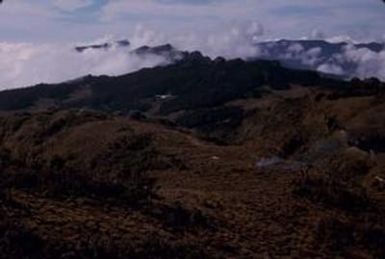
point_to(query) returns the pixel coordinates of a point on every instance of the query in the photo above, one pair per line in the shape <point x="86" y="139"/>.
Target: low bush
<point x="340" y="235"/>
<point x="17" y="241"/>
<point x="121" y="173"/>
<point x="179" y="218"/>
<point x="335" y="182"/>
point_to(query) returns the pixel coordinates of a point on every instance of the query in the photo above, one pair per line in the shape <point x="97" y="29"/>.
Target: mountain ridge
<point x="331" y="58"/>
<point x="201" y="158"/>
<point x="193" y="66"/>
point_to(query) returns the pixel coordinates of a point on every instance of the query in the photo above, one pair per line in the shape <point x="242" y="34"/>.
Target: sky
<point x="37" y="37"/>
<point x="84" y="20"/>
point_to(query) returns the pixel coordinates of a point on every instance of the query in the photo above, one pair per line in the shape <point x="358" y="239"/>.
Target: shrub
<point x="18" y="242"/>
<point x="340" y="235"/>
<point x="179" y="218"/>
<point x="335" y="182"/>
<point x="5" y="158"/>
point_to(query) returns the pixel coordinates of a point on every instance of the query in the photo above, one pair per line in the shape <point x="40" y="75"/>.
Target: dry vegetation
<point x="77" y="183"/>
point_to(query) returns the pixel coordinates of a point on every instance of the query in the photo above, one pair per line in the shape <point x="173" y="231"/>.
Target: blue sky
<point x="84" y="20"/>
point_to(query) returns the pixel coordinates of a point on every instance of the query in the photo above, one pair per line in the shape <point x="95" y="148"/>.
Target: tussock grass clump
<point x="340" y="235"/>
<point x="119" y="172"/>
<point x="179" y="218"/>
<point x="354" y="218"/>
<point x="336" y="182"/>
<point x="17" y="241"/>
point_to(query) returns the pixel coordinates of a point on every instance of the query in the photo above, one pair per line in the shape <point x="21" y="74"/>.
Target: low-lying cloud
<point x="233" y="40"/>
<point x="345" y="59"/>
<point x="366" y="63"/>
<point x="25" y="64"/>
<point x="28" y="64"/>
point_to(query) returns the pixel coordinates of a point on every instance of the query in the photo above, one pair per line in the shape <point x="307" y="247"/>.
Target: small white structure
<point x="163" y="96"/>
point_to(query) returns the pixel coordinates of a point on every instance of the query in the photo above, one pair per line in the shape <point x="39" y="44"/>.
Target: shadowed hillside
<point x="193" y="82"/>
<point x="200" y="159"/>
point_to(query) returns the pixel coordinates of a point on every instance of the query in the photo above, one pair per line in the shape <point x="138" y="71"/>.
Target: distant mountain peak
<point x="103" y="46"/>
<point x="157" y="50"/>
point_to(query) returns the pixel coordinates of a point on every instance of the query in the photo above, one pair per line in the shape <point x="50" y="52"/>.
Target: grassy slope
<point x="211" y="199"/>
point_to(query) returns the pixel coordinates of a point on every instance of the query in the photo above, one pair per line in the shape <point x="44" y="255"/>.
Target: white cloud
<point x="151" y="9"/>
<point x="367" y="63"/>
<point x="295" y="48"/>
<point x="330" y="69"/>
<point x="230" y="40"/>
<point x="317" y="34"/>
<point x="71" y="5"/>
<point x="340" y="38"/>
<point x="23" y="64"/>
<point x="28" y="64"/>
<point x="281" y="18"/>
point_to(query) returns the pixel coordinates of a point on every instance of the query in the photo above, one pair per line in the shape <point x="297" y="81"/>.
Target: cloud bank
<point x="25" y="64"/>
<point x="28" y="64"/>
<point x="345" y="59"/>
